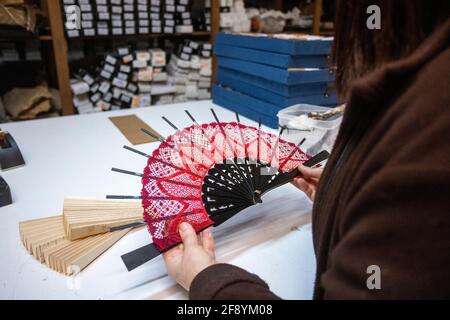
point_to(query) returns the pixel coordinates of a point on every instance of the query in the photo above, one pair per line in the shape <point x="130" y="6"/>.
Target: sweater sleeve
<point x="227" y="282"/>
<point x="398" y="221"/>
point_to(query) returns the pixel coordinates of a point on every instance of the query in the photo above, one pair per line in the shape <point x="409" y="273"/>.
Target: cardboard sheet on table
<point x="130" y="126"/>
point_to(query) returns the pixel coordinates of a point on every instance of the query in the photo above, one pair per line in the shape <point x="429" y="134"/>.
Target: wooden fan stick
<point x="301" y="142"/>
<point x="136" y="151"/>
<point x="286" y="160"/>
<point x="292" y="153"/>
<point x="209" y="142"/>
<point x="86" y="217"/>
<point x="259" y="139"/>
<point x="187" y="138"/>
<point x="230" y="146"/>
<point x="150" y="177"/>
<point x="178" y="168"/>
<point x="318" y="158"/>
<point x="46" y="240"/>
<point x="238" y="196"/>
<point x="120" y="197"/>
<point x="201" y="151"/>
<point x="234" y="181"/>
<point x="268" y="177"/>
<point x="201" y="128"/>
<point x="137" y="174"/>
<point x="159" y="219"/>
<point x="192" y="118"/>
<point x="157" y="138"/>
<point x="230" y="195"/>
<point x="155" y="178"/>
<point x="170" y="123"/>
<point x="163" y="162"/>
<point x="235" y="184"/>
<point x="152" y="135"/>
<point x="245" y="148"/>
<point x="185" y="214"/>
<point x="126" y="226"/>
<point x="275" y="148"/>
<point x="176" y="129"/>
<point x="161" y="140"/>
<point x="167" y="181"/>
<point x="179" y="183"/>
<point x="150" y="198"/>
<point x="223" y="132"/>
<point x="258" y="171"/>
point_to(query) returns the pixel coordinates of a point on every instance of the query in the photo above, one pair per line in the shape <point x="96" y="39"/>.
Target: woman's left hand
<point x="188" y="259"/>
<point x="308" y="180"/>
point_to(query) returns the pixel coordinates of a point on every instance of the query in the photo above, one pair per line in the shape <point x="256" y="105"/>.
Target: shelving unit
<point x="59" y="45"/>
<point x="317" y="24"/>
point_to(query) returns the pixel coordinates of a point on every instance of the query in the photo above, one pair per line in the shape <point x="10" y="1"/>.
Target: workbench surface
<point x="73" y="155"/>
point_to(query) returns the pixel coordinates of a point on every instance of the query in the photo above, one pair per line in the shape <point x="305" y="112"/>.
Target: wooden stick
<point x="45" y="239"/>
<point x="87" y="217"/>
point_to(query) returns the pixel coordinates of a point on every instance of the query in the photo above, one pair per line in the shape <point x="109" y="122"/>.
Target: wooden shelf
<point x="143" y="36"/>
<point x="15" y="34"/>
<point x="45" y="38"/>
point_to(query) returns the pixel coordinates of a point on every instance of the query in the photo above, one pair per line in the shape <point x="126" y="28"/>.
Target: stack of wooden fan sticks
<point x="69" y="242"/>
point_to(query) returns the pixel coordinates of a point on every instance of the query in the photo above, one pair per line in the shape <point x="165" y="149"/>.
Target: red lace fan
<point x="205" y="174"/>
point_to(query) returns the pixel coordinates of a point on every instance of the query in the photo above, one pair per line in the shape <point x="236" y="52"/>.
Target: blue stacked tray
<point x="258" y="75"/>
<point x="291" y="44"/>
<point x="317" y="93"/>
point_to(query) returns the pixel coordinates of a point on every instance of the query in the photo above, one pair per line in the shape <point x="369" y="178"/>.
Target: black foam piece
<point x="10" y="155"/>
<point x="5" y="193"/>
<point x="138" y="257"/>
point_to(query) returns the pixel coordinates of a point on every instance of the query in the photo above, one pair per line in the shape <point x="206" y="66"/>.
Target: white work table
<point x="72" y="156"/>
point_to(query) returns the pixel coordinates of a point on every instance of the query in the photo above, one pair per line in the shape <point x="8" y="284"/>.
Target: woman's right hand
<point x="307" y="180"/>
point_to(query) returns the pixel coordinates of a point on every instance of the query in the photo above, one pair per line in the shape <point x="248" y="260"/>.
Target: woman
<point x="384" y="196"/>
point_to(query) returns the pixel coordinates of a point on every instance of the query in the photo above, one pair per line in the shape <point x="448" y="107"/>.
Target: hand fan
<point x="207" y="173"/>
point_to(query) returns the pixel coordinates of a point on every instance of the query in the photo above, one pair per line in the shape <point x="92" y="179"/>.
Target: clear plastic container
<point x="320" y="134"/>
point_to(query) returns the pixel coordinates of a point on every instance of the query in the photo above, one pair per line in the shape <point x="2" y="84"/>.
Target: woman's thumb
<point x="308" y="172"/>
<point x="188" y="234"/>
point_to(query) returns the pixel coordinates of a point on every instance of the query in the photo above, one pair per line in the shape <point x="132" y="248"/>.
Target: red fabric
<point x="177" y="167"/>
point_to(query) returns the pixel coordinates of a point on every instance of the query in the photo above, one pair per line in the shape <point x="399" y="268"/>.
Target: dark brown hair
<point x="405" y="24"/>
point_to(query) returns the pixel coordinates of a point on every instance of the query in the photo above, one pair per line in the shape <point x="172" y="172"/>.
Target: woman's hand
<point x="195" y="254"/>
<point x="308" y="180"/>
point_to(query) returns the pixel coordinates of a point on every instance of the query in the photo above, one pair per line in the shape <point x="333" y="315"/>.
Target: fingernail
<point x="208" y="232"/>
<point x="183" y="226"/>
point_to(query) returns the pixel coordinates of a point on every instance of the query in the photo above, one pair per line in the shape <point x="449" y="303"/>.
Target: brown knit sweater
<point x="384" y="196"/>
